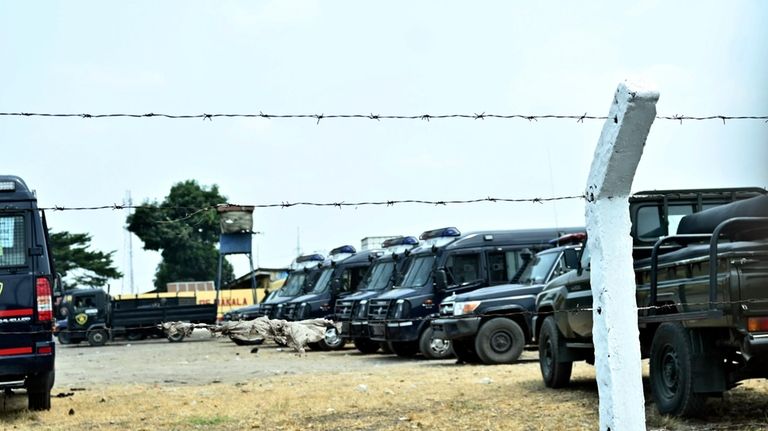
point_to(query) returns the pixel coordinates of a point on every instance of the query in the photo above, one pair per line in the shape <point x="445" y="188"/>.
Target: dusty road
<point x="205" y="383"/>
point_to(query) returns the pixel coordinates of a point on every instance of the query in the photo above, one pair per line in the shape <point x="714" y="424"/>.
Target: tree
<point x="184" y="228"/>
<point x="74" y="259"/>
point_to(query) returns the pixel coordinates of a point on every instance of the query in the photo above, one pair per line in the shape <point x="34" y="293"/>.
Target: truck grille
<point x="289" y="311"/>
<point x="378" y="309"/>
<point x="344" y="309"/>
<point x="446" y="309"/>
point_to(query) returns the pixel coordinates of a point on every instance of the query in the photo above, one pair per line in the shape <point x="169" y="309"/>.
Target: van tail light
<point x="44" y="300"/>
<point x="757" y="324"/>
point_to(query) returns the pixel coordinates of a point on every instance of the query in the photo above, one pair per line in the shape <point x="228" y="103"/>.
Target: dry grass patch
<point x="428" y="395"/>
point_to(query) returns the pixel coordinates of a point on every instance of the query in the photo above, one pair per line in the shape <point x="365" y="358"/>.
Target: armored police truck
<point x="26" y="302"/>
<point x="385" y="272"/>
<point x="447" y="263"/>
<point x="340" y="276"/>
<point x="299" y="280"/>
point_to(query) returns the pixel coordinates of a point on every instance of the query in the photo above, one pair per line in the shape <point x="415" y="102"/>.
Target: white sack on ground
<point x="296" y="335"/>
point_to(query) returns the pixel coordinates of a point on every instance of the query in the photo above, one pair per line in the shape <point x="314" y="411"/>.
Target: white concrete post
<point x="615" y="332"/>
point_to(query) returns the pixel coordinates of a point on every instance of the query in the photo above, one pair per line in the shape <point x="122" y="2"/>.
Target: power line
<point x="379" y="117"/>
<point x="339" y="204"/>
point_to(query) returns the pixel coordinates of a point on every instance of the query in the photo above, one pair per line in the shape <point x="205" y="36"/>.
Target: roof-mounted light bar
<point x="440" y="233"/>
<point x="343" y="249"/>
<point x="400" y="240"/>
<point x="310" y="258"/>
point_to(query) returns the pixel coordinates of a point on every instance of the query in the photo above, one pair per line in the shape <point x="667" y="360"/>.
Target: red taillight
<point x="45" y="350"/>
<point x="757" y="324"/>
<point x="44" y="300"/>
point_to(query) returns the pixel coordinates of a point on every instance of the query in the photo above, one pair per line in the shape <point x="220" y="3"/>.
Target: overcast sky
<point x="395" y="57"/>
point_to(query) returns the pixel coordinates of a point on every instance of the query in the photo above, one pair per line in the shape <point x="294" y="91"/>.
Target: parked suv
<point x="26" y="302"/>
<point x="447" y="263"/>
<point x="493" y="324"/>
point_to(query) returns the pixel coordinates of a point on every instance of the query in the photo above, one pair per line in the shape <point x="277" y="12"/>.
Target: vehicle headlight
<point x="402" y="309"/>
<point x="460" y="308"/>
<point x="362" y="309"/>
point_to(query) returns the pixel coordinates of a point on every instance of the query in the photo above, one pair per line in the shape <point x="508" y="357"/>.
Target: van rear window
<point x="12" y="243"/>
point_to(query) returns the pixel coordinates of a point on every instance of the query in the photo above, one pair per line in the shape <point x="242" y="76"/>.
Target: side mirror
<point x="441" y="279"/>
<point x="58" y="285"/>
<point x="336" y="285"/>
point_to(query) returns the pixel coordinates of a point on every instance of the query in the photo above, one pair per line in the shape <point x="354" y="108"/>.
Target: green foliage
<point x="185" y="235"/>
<point x="77" y="264"/>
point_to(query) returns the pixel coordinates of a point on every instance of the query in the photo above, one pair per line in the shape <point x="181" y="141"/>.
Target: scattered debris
<point x="71" y="412"/>
<point x="76" y="389"/>
<point x="64" y="394"/>
<point x="296" y="335"/>
<point x="255" y="350"/>
<point x="486" y="381"/>
<point x="362" y="388"/>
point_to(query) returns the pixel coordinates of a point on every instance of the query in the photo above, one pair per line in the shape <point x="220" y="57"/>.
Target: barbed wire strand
<point x="339" y="204"/>
<point x="379" y="117"/>
<point x="666" y="308"/>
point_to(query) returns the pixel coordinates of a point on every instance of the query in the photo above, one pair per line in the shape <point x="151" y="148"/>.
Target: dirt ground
<point x="205" y="383"/>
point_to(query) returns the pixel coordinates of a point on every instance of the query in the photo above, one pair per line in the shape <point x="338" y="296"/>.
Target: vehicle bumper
<point x="358" y="329"/>
<point x="454" y="329"/>
<point x="394" y="330"/>
<point x="756" y="345"/>
<point x="20" y="365"/>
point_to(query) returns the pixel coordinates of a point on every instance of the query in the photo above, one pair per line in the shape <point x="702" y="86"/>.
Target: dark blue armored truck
<point x="493" y="324"/>
<point x="26" y="301"/>
<point x="303" y="276"/>
<point x="447" y="263"/>
<point x="384" y="273"/>
<point x="701" y="294"/>
<point x="340" y="276"/>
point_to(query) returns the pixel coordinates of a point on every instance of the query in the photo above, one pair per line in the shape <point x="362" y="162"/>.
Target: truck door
<point x="503" y="264"/>
<point x="17" y="283"/>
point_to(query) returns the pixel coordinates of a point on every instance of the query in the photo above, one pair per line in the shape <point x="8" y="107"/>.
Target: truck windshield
<point x="419" y="272"/>
<point x="293" y="284"/>
<point x="323" y="282"/>
<point x="379" y="276"/>
<point x="539" y="268"/>
<point x="12" y="243"/>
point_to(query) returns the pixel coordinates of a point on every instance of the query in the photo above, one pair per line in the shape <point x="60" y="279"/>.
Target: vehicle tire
<point x="64" y="337"/>
<point x="465" y="351"/>
<point x="434" y="348"/>
<point x="366" y="345"/>
<point x="39" y="391"/>
<point x="555" y="372"/>
<point x="97" y="337"/>
<point x="405" y="349"/>
<point x="671" y="376"/>
<point x="178" y="337"/>
<point x="500" y="341"/>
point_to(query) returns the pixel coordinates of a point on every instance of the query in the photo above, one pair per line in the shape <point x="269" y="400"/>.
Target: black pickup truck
<point x="701" y="295"/>
<point x="26" y="302"/>
<point x="95" y="316"/>
<point x="493" y="324"/>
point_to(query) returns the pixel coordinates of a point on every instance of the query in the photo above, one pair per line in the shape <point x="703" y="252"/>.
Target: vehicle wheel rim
<point x="670" y="371"/>
<point x="332" y="338"/>
<point x="501" y="342"/>
<point x="97" y="337"/>
<point x="439" y="346"/>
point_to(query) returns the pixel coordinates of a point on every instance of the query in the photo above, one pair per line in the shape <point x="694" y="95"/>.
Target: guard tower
<point x="236" y="234"/>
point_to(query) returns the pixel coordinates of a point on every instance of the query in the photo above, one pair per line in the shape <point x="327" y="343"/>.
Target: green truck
<point x="702" y="296"/>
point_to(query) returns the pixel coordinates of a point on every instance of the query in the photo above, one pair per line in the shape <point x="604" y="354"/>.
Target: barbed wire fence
<point x="579" y="118"/>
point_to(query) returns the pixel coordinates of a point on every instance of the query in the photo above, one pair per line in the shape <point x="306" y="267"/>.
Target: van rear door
<point x="17" y="284"/>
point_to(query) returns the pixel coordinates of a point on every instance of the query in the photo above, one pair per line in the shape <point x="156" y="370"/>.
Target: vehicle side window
<point x="650" y="220"/>
<point x="463" y="268"/>
<point x="85" y="302"/>
<point x="12" y="243"/>
<point x="503" y="265"/>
